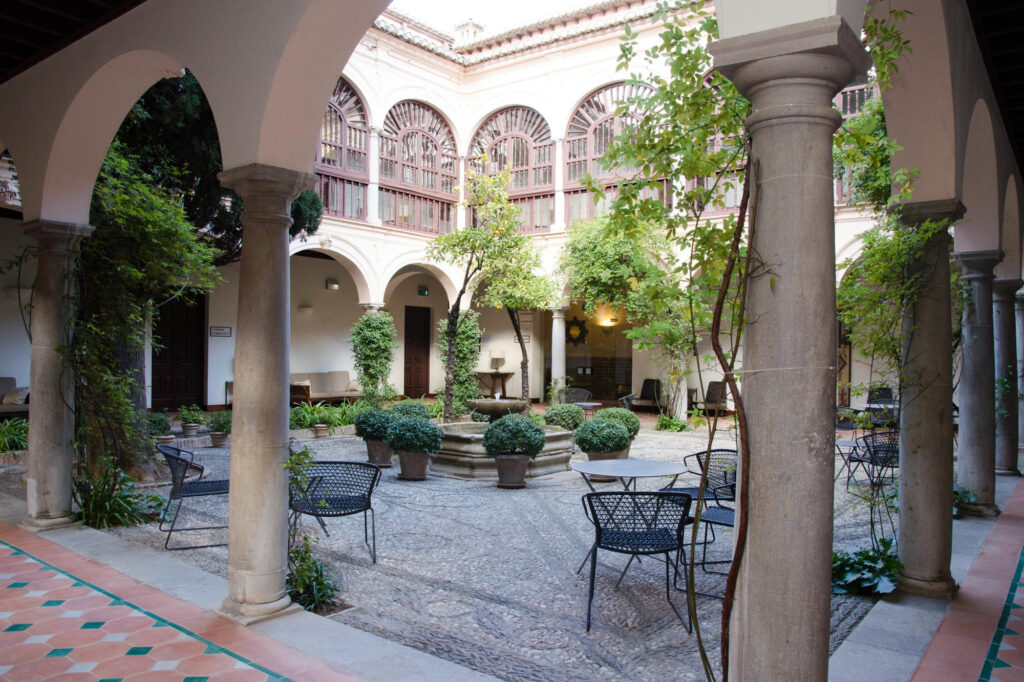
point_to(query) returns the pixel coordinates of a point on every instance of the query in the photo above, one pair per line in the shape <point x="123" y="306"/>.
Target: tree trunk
<point x="524" y="366"/>
<point x="136" y="454"/>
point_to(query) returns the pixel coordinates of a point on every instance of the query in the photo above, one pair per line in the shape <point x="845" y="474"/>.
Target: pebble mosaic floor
<point x="57" y="623"/>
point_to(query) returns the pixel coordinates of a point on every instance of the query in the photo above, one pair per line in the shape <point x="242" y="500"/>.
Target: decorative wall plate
<point x="576" y="331"/>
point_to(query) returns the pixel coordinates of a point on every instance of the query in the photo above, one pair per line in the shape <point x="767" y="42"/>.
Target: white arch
<point x="415" y="258"/>
<point x="1010" y="267"/>
<point x="979" y="229"/>
<point x="329" y="246"/>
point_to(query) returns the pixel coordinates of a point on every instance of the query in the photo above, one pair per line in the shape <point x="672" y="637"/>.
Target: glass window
<point x="341" y="159"/>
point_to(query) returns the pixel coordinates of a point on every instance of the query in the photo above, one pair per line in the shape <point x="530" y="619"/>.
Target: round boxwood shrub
<point x="411" y="408"/>
<point x="373" y="424"/>
<point x="514" y="434"/>
<point x="622" y="416"/>
<point x="414" y="435"/>
<point x="602" y="435"/>
<point x="566" y="415"/>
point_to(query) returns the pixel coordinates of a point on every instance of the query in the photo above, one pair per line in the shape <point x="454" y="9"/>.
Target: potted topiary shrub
<point x="566" y="415"/>
<point x="192" y="417"/>
<point x="159" y="428"/>
<point x="414" y="440"/>
<point x="603" y="439"/>
<point x="622" y="416"/>
<point x="513" y="441"/>
<point x="372" y="426"/>
<point x="411" y="408"/>
<point x="220" y="428"/>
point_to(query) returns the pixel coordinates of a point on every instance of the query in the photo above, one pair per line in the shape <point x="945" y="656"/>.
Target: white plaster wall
<point x="15" y="347"/>
<point x="321" y="320"/>
<point x="405" y="294"/>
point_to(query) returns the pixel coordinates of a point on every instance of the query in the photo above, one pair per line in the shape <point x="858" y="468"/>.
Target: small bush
<point x="414" y="435"/>
<point x="667" y="422"/>
<point x="866" y="571"/>
<point x="411" y="408"/>
<point x="191" y="414"/>
<point x="373" y="424"/>
<point x="514" y="434"/>
<point x="566" y="415"/>
<point x="304" y="416"/>
<point x="479" y="418"/>
<point x="158" y="423"/>
<point x="221" y="421"/>
<point x="602" y="435"/>
<point x="13" y="435"/>
<point x="308" y="583"/>
<point x="109" y="498"/>
<point x="622" y="416"/>
<point x="437" y="409"/>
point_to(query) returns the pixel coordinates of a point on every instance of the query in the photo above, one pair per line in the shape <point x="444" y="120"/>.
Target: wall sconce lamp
<point x="332" y="285"/>
<point x="305" y="309"/>
<point x="422" y="290"/>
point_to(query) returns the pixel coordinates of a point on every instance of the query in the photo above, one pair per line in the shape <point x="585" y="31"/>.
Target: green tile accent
<point x="213" y="649"/>
<point x="1001" y="664"/>
<point x="195" y="679"/>
<point x="992" y="660"/>
<point x="18" y="627"/>
<point x="58" y="652"/>
<point x="78" y="583"/>
<point x="118" y="602"/>
<point x="18" y="585"/>
<point x="53" y="602"/>
<point x="112" y="679"/>
<point x="92" y="625"/>
<point x="162" y="624"/>
<point x="138" y="651"/>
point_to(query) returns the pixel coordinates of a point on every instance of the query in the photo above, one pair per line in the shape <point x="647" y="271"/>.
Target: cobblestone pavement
<point x="486" y="577"/>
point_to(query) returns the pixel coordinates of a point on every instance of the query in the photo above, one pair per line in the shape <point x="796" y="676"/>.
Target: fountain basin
<point x="462" y="453"/>
<point x="495" y="408"/>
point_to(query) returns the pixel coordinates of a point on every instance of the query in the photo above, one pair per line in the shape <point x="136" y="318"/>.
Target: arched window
<point x="418" y="169"/>
<point x="341" y="159"/>
<point x="591" y="129"/>
<point x="519" y="138"/>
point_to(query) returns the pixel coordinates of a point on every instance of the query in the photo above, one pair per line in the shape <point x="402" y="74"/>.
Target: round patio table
<point x="628" y="470"/>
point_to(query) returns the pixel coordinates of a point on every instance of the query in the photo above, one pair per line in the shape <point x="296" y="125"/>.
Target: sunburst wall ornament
<point x="576" y="331"/>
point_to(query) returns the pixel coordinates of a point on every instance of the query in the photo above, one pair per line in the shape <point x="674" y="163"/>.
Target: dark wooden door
<point x="417" y="351"/>
<point x="179" y="368"/>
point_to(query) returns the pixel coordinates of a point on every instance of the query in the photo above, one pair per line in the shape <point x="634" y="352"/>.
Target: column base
<point x="35" y="525"/>
<point x="983" y="509"/>
<point x="943" y="588"/>
<point x="248" y="614"/>
<point x="1007" y="472"/>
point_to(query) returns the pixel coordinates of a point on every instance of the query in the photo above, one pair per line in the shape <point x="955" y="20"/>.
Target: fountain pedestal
<point x="462" y="453"/>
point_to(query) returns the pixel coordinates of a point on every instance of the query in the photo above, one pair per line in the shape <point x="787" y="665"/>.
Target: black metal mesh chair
<point x="336" y="489"/>
<point x="183" y="487"/>
<point x="717" y="514"/>
<point x="573" y="395"/>
<point x="722" y="465"/>
<point x="880" y="453"/>
<point x="638" y="523"/>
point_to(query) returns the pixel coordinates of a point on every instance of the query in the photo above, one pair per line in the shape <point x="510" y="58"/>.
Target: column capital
<point x="375" y="131"/>
<point x="558" y="312"/>
<point x="266" y="190"/>
<point x="915" y="213"/>
<point x="53" y="235"/>
<point x="371" y="307"/>
<point x="978" y="264"/>
<point x="1005" y="288"/>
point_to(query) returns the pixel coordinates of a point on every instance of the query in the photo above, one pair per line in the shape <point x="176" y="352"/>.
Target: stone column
<point x="926" y="415"/>
<point x="373" y="169"/>
<point x="1005" y="365"/>
<point x="1019" y="310"/>
<point x="51" y="423"/>
<point x="559" y="177"/>
<point x="558" y="346"/>
<point x="790" y="75"/>
<point x="258" y="503"/>
<point x="976" y="464"/>
<point x="461" y="213"/>
<point x="371" y="307"/>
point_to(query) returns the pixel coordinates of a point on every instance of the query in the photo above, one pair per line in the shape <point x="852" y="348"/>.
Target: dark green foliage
<point x="13" y="435"/>
<point x="221" y="421"/>
<point x="622" y="416"/>
<point x="602" y="435"/>
<point x="373" y="342"/>
<point x="467" y="355"/>
<point x="667" y="422"/>
<point x="158" y="424"/>
<point x="962" y="496"/>
<point x="192" y="414"/>
<point x="514" y="434"/>
<point x="108" y="497"/>
<point x="566" y="415"/>
<point x="309" y="583"/>
<point x="866" y="571"/>
<point x="414" y="435"/>
<point x="411" y="408"/>
<point x="373" y="424"/>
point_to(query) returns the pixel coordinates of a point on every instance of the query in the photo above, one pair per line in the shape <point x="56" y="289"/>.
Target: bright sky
<point x="494" y="15"/>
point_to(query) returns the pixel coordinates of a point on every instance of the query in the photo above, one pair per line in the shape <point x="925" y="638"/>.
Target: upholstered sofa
<point x="13" y="399"/>
<point x="313" y="387"/>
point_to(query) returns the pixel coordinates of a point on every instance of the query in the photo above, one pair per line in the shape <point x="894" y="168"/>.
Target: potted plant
<point x="414" y="440"/>
<point x="513" y="440"/>
<point x="566" y="415"/>
<point x="372" y="426"/>
<point x="220" y="428"/>
<point x="192" y="417"/>
<point x="159" y="428"/>
<point x="621" y="415"/>
<point x="603" y="439"/>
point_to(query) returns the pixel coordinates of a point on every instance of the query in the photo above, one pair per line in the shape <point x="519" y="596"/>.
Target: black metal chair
<point x="573" y="395"/>
<point x="717" y="514"/>
<point x="722" y="465"/>
<point x="183" y="487"/>
<point x="626" y="401"/>
<point x="639" y="523"/>
<point x="333" y="489"/>
<point x="880" y="452"/>
<point x="714" y="399"/>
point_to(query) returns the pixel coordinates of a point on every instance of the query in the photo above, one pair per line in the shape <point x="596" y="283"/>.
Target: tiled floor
<point x="982" y="634"/>
<point x="57" y="620"/>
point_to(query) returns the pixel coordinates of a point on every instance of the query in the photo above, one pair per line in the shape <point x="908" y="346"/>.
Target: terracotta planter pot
<point x="379" y="452"/>
<point x="320" y="431"/>
<point x="164" y="440"/>
<point x="189" y="430"/>
<point x="218" y="438"/>
<point x="413" y="465"/>
<point x="512" y="470"/>
<point x="614" y="454"/>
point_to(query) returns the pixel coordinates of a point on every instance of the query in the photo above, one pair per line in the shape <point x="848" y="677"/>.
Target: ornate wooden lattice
<point x="591" y="129"/>
<point x="341" y="163"/>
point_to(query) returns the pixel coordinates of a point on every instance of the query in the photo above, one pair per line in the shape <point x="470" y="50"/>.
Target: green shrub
<point x="411" y="408"/>
<point x="566" y="415"/>
<point x="221" y="421"/>
<point x="437" y="409"/>
<point x="304" y="416"/>
<point x="667" y="422"/>
<point x="373" y="424"/>
<point x="478" y="417"/>
<point x="866" y="571"/>
<point x="602" y="435"/>
<point x="414" y="435"/>
<point x="622" y="416"/>
<point x="373" y="342"/>
<point x="309" y="584"/>
<point x="191" y="414"/>
<point x="109" y="498"/>
<point x="158" y="423"/>
<point x="13" y="435"/>
<point x="514" y="434"/>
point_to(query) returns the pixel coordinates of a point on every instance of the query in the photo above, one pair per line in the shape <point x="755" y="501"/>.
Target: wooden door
<point x="179" y="368"/>
<point x="417" y="351"/>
